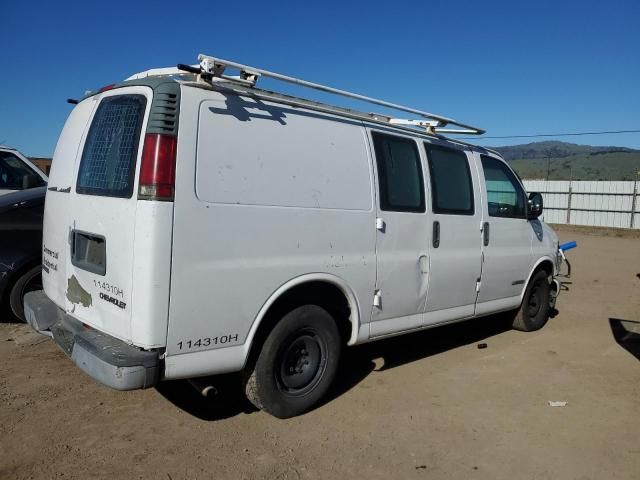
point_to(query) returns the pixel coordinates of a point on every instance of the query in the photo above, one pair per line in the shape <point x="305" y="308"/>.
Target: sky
<point x="512" y="68"/>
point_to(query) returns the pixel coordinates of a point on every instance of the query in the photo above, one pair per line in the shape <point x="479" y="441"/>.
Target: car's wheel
<point x="297" y="363"/>
<point x="29" y="281"/>
<point x="536" y="307"/>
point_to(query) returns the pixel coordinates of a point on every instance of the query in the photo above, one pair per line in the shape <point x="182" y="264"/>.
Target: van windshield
<point x="109" y="157"/>
<point x="13" y="172"/>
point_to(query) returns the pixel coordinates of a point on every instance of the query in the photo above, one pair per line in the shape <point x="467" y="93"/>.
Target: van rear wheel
<point x="536" y="304"/>
<point x="297" y="363"/>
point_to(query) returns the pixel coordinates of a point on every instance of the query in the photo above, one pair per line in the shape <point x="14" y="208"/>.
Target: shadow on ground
<point x="7" y="316"/>
<point x="627" y="334"/>
<point x="228" y="402"/>
<point x="356" y="364"/>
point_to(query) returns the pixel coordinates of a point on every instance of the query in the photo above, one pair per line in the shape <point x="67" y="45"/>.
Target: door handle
<point x="436" y="234"/>
<point x="423" y="260"/>
<point x="485" y="233"/>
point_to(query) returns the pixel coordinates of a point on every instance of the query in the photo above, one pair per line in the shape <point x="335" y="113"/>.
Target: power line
<point x="573" y="134"/>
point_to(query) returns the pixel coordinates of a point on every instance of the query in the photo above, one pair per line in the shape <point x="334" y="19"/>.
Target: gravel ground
<point x="426" y="405"/>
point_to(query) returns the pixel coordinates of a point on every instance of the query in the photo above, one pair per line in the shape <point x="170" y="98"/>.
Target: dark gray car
<point x="20" y="248"/>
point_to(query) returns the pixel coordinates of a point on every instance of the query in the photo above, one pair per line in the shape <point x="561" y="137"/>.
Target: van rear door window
<point x="108" y="161"/>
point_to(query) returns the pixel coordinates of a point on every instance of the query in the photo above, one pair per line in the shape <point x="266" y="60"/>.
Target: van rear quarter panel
<point x="265" y="193"/>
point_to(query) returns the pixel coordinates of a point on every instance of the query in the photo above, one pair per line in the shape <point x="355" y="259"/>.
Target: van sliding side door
<point x="401" y="235"/>
<point x="455" y="250"/>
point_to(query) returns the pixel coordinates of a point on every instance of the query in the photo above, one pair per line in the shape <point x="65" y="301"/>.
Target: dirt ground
<point x="426" y="405"/>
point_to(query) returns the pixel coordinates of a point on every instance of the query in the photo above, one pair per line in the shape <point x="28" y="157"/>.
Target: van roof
<point x="209" y="74"/>
<point x="370" y="118"/>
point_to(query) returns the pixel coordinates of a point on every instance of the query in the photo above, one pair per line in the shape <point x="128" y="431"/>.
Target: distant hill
<point x="569" y="160"/>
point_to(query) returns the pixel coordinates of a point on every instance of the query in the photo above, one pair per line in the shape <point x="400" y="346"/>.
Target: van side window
<point x="399" y="173"/>
<point x="108" y="160"/>
<point x="451" y="185"/>
<point x="505" y="196"/>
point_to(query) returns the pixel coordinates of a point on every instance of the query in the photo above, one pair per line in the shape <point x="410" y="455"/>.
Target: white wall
<point x="593" y="203"/>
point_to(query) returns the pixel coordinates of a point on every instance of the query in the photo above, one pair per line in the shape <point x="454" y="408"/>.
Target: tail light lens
<point x="158" y="169"/>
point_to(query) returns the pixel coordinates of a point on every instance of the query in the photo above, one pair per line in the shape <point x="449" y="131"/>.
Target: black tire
<point x="27" y="282"/>
<point x="297" y="363"/>
<point x="536" y="307"/>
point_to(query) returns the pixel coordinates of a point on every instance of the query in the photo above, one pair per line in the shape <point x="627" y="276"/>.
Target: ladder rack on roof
<point x="216" y="67"/>
<point x="211" y="67"/>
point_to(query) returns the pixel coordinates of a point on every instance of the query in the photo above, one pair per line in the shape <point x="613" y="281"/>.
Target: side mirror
<point x="31" y="181"/>
<point x="534" y="207"/>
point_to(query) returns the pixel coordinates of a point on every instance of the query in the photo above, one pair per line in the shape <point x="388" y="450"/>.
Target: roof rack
<point x="215" y="67"/>
<point x="212" y="67"/>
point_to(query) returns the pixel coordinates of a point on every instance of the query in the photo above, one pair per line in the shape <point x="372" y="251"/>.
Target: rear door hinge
<point x="380" y="224"/>
<point x="478" y="283"/>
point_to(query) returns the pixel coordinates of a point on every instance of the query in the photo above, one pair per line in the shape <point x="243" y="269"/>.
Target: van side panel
<point x="264" y="194"/>
<point x="293" y="159"/>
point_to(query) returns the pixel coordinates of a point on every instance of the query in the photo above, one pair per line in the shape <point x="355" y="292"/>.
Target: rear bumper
<point x="106" y="359"/>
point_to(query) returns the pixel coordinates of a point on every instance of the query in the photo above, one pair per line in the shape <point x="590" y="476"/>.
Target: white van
<point x="197" y="225"/>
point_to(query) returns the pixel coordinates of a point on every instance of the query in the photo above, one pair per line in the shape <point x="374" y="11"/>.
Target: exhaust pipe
<point x="203" y="388"/>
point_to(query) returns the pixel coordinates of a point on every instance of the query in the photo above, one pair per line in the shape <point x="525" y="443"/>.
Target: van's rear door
<point x="56" y="210"/>
<point x="95" y="234"/>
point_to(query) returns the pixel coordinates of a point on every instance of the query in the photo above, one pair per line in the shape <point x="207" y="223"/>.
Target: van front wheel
<point x="297" y="363"/>
<point x="536" y="307"/>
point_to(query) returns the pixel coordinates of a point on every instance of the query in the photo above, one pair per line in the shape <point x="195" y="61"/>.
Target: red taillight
<point x="158" y="169"/>
<point x="107" y="87"/>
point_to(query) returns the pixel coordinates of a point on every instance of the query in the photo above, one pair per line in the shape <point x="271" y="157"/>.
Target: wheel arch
<point x="298" y="284"/>
<point x="543" y="263"/>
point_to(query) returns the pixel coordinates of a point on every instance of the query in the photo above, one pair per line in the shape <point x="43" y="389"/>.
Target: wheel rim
<point x="535" y="300"/>
<point x="301" y="363"/>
